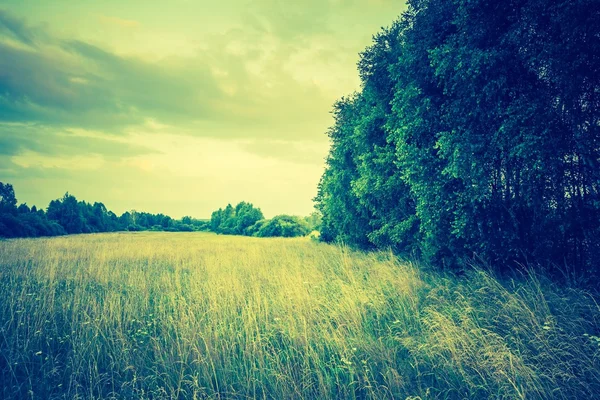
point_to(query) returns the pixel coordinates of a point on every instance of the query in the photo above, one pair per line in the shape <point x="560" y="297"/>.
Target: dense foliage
<point x="235" y="221"/>
<point x="245" y="219"/>
<point x="69" y="216"/>
<point x="476" y="134"/>
<point x="23" y="221"/>
<point x="282" y="226"/>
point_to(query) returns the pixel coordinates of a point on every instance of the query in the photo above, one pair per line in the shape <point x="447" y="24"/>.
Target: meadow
<point x="195" y="315"/>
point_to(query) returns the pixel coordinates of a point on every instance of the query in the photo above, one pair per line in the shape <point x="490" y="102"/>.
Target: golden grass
<point x="195" y="315"/>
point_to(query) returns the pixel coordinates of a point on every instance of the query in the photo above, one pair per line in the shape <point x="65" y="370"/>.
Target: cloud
<point x="33" y="139"/>
<point x="16" y="28"/>
<point x="47" y="86"/>
<point x="289" y="20"/>
<point x="79" y="84"/>
<point x="239" y="81"/>
<point x="273" y="76"/>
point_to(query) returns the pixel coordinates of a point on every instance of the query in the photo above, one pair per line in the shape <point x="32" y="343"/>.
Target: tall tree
<point x="476" y="132"/>
<point x="8" y="200"/>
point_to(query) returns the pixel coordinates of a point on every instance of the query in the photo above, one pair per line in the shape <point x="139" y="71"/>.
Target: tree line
<point x="245" y="219"/>
<point x="68" y="215"/>
<point x="476" y="134"/>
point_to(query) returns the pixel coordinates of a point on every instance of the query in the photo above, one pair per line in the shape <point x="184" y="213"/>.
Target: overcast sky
<point x="176" y="106"/>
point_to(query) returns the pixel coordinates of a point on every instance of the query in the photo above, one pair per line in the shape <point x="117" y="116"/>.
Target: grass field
<point x="193" y="315"/>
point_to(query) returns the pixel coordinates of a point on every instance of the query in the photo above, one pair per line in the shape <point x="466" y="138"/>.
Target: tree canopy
<point x="476" y="133"/>
<point x="245" y="219"/>
<point x="68" y="215"/>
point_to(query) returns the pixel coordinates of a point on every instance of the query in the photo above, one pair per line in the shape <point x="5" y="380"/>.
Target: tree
<point x="67" y="215"/>
<point x="215" y="220"/>
<point x="98" y="217"/>
<point x="245" y="216"/>
<point x="235" y="221"/>
<point x="476" y="132"/>
<point x="71" y="218"/>
<point x="344" y="218"/>
<point x="283" y="226"/>
<point x="23" y="208"/>
<point x="314" y="220"/>
<point x="8" y="200"/>
<point x="166" y="222"/>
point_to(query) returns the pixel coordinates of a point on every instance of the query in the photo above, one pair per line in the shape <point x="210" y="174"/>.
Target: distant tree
<point x="313" y="221"/>
<point x="125" y="220"/>
<point x="134" y="228"/>
<point x="166" y="222"/>
<point x="98" y="217"/>
<point x="8" y="200"/>
<point x="67" y="212"/>
<point x="87" y="214"/>
<point x="253" y="229"/>
<point x="54" y="210"/>
<point x="23" y="208"/>
<point x="215" y="220"/>
<point x="22" y="221"/>
<point x="228" y="221"/>
<point x="71" y="218"/>
<point x="235" y="220"/>
<point x="245" y="216"/>
<point x="134" y="217"/>
<point x="143" y="220"/>
<point x="201" y="225"/>
<point x="283" y="226"/>
<point x="67" y="215"/>
<point x="112" y="222"/>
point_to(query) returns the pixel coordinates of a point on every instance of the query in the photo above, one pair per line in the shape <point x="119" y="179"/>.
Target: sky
<point x="176" y="107"/>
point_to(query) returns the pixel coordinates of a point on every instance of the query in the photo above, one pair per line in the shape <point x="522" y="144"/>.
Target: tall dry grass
<point x="191" y="315"/>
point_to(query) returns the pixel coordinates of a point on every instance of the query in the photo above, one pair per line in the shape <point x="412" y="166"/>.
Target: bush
<point x="283" y="226"/>
<point x="184" y="228"/>
<point x="253" y="229"/>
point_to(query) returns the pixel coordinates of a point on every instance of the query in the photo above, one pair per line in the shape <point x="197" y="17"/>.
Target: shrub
<point x="284" y="226"/>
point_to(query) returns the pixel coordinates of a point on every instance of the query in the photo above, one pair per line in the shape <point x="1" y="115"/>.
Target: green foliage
<point x="70" y="216"/>
<point x="283" y="226"/>
<point x="166" y="221"/>
<point x="134" y="228"/>
<point x="255" y="228"/>
<point x="314" y="221"/>
<point x="245" y="219"/>
<point x="235" y="221"/>
<point x="23" y="221"/>
<point x="8" y="201"/>
<point x="344" y="217"/>
<point x="67" y="213"/>
<point x="475" y="134"/>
